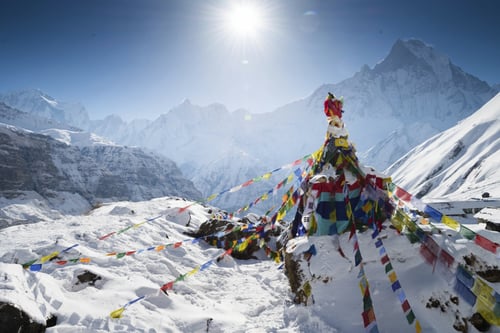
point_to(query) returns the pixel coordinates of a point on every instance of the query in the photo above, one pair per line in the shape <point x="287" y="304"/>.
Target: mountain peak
<point x="414" y="52"/>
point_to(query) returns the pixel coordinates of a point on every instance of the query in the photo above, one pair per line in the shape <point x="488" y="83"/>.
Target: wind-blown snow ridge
<point x="462" y="162"/>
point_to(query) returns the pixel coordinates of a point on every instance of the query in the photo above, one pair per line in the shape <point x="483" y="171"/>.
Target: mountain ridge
<point x="411" y="88"/>
<point x="460" y="163"/>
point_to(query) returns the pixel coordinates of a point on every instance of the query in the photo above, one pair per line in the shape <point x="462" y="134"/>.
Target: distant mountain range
<point x="79" y="167"/>
<point x="412" y="94"/>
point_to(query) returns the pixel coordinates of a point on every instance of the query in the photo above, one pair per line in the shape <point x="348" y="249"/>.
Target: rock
<point x="88" y="277"/>
<point x="16" y="320"/>
<point x="479" y="322"/>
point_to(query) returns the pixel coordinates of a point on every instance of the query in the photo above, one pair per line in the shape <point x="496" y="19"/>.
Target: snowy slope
<point x="458" y="164"/>
<point x="227" y="296"/>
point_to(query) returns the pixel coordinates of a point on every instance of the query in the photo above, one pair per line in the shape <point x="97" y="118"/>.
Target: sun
<point x="244" y="20"/>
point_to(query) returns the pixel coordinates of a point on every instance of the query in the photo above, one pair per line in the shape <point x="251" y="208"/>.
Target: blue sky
<point x="140" y="58"/>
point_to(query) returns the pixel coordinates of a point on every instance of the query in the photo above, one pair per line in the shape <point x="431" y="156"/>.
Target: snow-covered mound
<point x="90" y="266"/>
<point x="458" y="164"/>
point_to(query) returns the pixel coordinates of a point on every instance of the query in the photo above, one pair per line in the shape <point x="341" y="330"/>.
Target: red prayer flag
<point x="248" y="182"/>
<point x="106" y="236"/>
<point x="486" y="244"/>
<point x="402" y="194"/>
<point x="368" y="316"/>
<point x="168" y="286"/>
<point x="446" y="258"/>
<point x="427" y="254"/>
<point x="405" y="305"/>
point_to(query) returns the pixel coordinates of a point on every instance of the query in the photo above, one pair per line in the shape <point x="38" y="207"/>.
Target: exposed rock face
<point x="35" y="162"/>
<point x="16" y="320"/>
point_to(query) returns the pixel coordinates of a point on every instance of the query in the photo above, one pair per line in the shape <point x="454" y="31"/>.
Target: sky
<point x="138" y="59"/>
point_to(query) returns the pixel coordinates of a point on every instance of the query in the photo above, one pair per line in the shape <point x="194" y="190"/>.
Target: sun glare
<point x="244" y="20"/>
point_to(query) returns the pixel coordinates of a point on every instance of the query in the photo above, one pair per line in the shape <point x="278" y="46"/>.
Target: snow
<point x="460" y="163"/>
<point x="229" y="296"/>
<point x="49" y="101"/>
<point x="489" y="214"/>
<point x="80" y="139"/>
<point x="233" y="295"/>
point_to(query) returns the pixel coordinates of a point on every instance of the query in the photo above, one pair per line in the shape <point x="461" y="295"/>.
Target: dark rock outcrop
<point x="13" y="319"/>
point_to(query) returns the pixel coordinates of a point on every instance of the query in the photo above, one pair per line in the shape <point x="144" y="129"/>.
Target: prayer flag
<point x="486" y="244"/>
<point x="46" y="258"/>
<point x="117" y="313"/>
<point x="467" y="233"/>
<point x="405" y="305"/>
<point x="410" y="317"/>
<point x="368" y="317"/>
<point x="395" y="286"/>
<point x="450" y="222"/>
<point x="36" y="267"/>
<point x="433" y="213"/>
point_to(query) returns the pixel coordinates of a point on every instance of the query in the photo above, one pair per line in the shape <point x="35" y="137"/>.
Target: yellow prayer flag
<point x="393" y="277"/>
<point x="139" y="224"/>
<point x="418" y="328"/>
<point x="486" y="311"/>
<point x="48" y="257"/>
<point x="450" y="222"/>
<point x="85" y="260"/>
<point x="317" y="154"/>
<point x="160" y="248"/>
<point x="484" y="292"/>
<point x="362" y="287"/>
<point x="290" y="178"/>
<point x="340" y="142"/>
<point x="266" y="176"/>
<point x="193" y="271"/>
<point x="212" y="197"/>
<point x="367" y="206"/>
<point x="243" y="246"/>
<point x="117" y="313"/>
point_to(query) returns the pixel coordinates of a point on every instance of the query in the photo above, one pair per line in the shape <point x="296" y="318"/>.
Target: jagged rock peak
<point x="414" y="52"/>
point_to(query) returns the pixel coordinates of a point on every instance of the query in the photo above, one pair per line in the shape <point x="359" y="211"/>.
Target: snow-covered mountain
<point x="30" y="121"/>
<point x="36" y="167"/>
<point x="412" y="94"/>
<point x="36" y="102"/>
<point x="460" y="163"/>
<point x="415" y="91"/>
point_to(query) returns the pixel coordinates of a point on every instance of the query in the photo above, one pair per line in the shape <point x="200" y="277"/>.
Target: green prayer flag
<point x="410" y="317"/>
